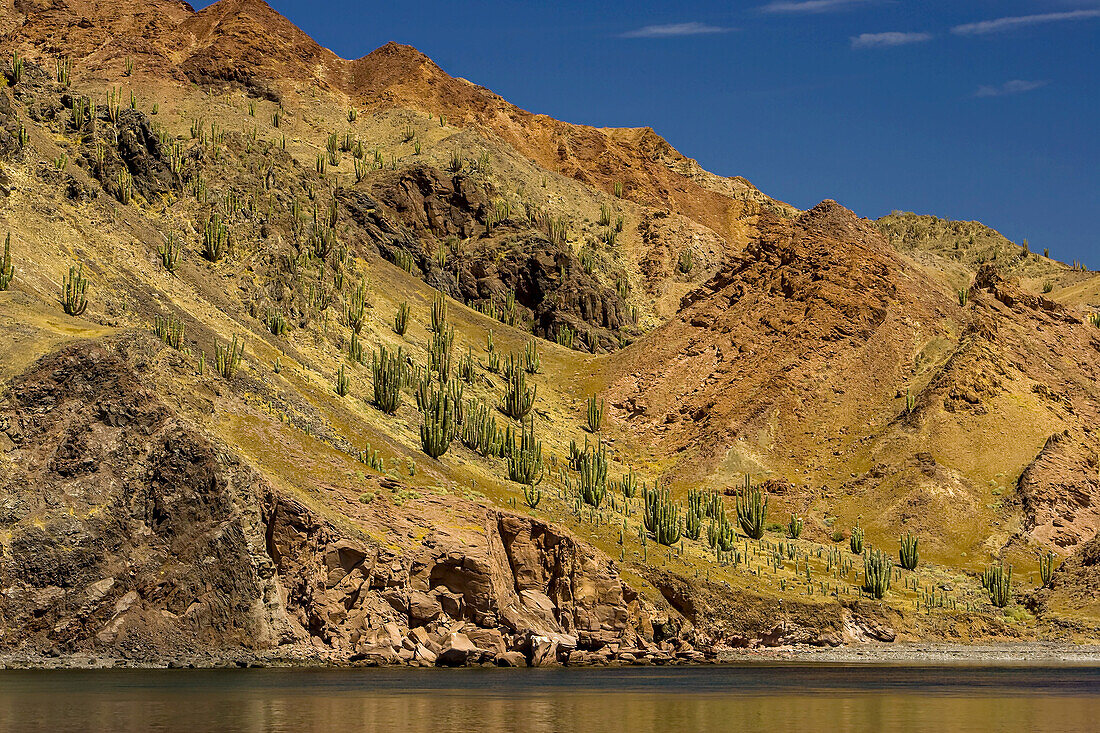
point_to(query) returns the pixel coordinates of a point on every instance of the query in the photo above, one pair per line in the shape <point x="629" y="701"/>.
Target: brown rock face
<point x="818" y="301"/>
<point x="129" y="531"/>
<point x="1060" y="491"/>
<point x="124" y="529"/>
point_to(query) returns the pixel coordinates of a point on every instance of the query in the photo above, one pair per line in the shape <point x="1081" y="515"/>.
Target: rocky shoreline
<point x="457" y="654"/>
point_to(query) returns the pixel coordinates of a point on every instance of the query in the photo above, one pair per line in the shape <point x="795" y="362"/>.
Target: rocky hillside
<point x="328" y="360"/>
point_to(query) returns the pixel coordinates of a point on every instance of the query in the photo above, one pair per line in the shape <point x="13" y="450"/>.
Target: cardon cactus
<point x="794" y="527"/>
<point x="721" y="534"/>
<point x="752" y="510"/>
<point x="662" y="516"/>
<point x="525" y="459"/>
<point x="855" y="541"/>
<point x="877" y="571"/>
<point x="437" y="427"/>
<point x="998" y="582"/>
<point x="389" y="375"/>
<point x="909" y="554"/>
<point x="518" y="399"/>
<point x="592" y="467"/>
<point x="693" y="525"/>
<point x="1046" y="567"/>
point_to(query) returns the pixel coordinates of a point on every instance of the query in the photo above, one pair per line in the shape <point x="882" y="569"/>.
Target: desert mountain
<point x="353" y="360"/>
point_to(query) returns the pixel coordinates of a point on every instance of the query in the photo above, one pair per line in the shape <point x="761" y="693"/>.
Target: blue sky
<point x="981" y="109"/>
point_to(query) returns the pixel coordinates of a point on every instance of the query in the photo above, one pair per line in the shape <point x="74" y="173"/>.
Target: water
<point x="764" y="697"/>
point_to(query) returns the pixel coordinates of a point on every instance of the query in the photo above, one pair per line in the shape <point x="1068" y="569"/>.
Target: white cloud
<point x="675" y="29"/>
<point x="888" y="39"/>
<point x="1016" y="86"/>
<point x="1022" y="21"/>
<point x="809" y="6"/>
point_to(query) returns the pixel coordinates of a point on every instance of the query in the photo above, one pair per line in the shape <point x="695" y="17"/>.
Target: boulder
<point x="457" y="651"/>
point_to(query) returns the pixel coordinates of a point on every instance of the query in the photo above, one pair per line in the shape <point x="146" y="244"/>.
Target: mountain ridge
<point x="685" y="332"/>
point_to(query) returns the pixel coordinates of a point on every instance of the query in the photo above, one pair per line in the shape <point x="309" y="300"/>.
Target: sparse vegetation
<point x="686" y="263"/>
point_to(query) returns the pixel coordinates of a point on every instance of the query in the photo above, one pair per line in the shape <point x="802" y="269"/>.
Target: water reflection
<point x="742" y="698"/>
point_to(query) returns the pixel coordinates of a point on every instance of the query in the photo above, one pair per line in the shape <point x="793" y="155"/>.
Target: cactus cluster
<point x="401" y="320"/>
<point x="437" y="427"/>
<point x="794" y="527"/>
<point x="343" y="382"/>
<point x="276" y="323"/>
<point x="524" y="458"/>
<point x="227" y="359"/>
<point x="170" y="330"/>
<point x="388" y="369"/>
<point x="1046" y="567"/>
<point x="752" y="510"/>
<point x="592" y="469"/>
<point x="997" y="580"/>
<point x="371" y="459"/>
<point x="480" y="432"/>
<point x="7" y="268"/>
<point x="74" y="291"/>
<point x="170" y="252"/>
<point x="518" y="398"/>
<point x="908" y="554"/>
<point x="720" y="533"/>
<point x="532" y="496"/>
<point x="564" y="336"/>
<point x="662" y="516"/>
<point x="439" y="352"/>
<point x="16" y="75"/>
<point x="355" y="308"/>
<point x="595" y="414"/>
<point x="531" y="361"/>
<point x="855" y="540"/>
<point x="439" y="313"/>
<point x="215" y="237"/>
<point x="466" y="366"/>
<point x="877" y="572"/>
<point x="627" y="485"/>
